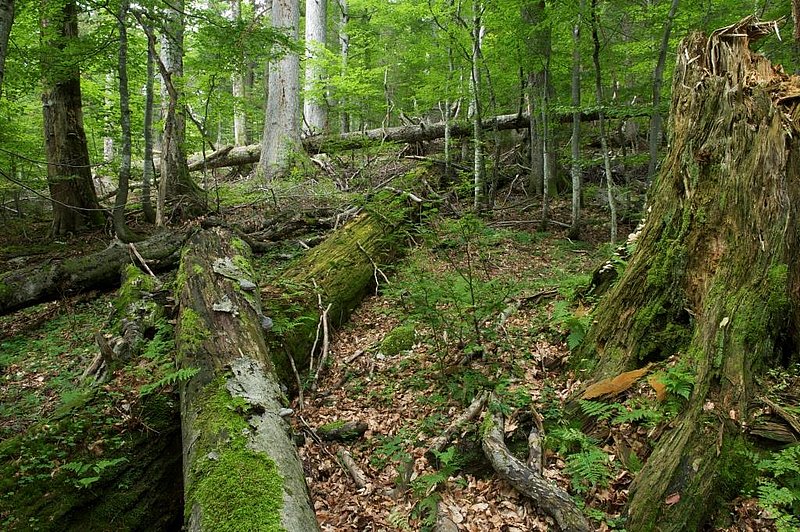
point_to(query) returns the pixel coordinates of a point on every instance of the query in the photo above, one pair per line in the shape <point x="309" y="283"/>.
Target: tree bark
<point x="598" y="86"/>
<point x="281" y="124"/>
<point x="148" y="169"/>
<point x="121" y="200"/>
<point x="69" y="175"/>
<point x="479" y="159"/>
<point x="714" y="279"/>
<point x="6" y="21"/>
<point x="241" y="468"/>
<point x="239" y="92"/>
<point x="40" y="283"/>
<point x="344" y="51"/>
<point x="344" y="269"/>
<point x="314" y="106"/>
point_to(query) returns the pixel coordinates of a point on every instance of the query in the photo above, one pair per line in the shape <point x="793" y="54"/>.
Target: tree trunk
<point x="344" y="269"/>
<point x="281" y="128"/>
<point x="714" y="279"/>
<point x="175" y="180"/>
<point x="69" y="174"/>
<point x="148" y="167"/>
<point x="658" y="79"/>
<point x="230" y="156"/>
<point x="479" y="162"/>
<point x="6" y="20"/>
<point x="598" y="86"/>
<point x="239" y="92"/>
<point x="344" y="51"/>
<point x="40" y="283"/>
<point x="241" y="468"/>
<point x="575" y="143"/>
<point x="314" y="107"/>
<point x="121" y="200"/>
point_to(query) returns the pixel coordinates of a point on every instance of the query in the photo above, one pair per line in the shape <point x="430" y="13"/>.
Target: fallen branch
<point x="551" y="499"/>
<point x="472" y="411"/>
<point x="358" y="475"/>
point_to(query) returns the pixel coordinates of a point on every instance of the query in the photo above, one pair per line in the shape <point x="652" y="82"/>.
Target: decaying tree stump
<point x="240" y="464"/>
<point x="715" y="278"/>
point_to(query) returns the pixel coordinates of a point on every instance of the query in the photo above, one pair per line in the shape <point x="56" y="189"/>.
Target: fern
<point x="641" y="414"/>
<point x="599" y="410"/>
<point x="679" y="381"/>
<point x="588" y="469"/>
<point x="181" y="375"/>
<point x="779" y="487"/>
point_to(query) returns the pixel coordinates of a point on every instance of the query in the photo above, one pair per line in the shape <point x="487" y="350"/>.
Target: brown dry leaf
<point x="615" y="385"/>
<point x="659" y="387"/>
<point x="673" y="499"/>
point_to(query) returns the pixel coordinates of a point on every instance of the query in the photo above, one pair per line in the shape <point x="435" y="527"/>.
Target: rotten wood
<point x="457" y="425"/>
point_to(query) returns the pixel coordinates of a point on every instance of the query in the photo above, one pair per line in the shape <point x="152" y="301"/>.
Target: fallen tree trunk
<point x="58" y="278"/>
<point x="713" y="283"/>
<point x="241" y="470"/>
<point x="336" y="273"/>
<point x="241" y="155"/>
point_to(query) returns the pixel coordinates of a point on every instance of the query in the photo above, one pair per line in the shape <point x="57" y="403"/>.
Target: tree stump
<point x="714" y="279"/>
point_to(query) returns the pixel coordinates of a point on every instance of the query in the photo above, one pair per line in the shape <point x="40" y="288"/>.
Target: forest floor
<point x="491" y="303"/>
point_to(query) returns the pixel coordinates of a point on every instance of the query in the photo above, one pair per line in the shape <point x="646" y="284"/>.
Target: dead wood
<point x="457" y="425"/>
<point x="548" y="497"/>
<point x="349" y="431"/>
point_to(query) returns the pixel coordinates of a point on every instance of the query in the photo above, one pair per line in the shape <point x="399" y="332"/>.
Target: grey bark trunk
<point x="479" y="171"/>
<point x="281" y="132"/>
<point x="314" y="106"/>
<point x="121" y="200"/>
<point x="239" y="92"/>
<point x="598" y="85"/>
<point x="658" y="79"/>
<point x="148" y="169"/>
<point x="344" y="52"/>
<point x="575" y="144"/>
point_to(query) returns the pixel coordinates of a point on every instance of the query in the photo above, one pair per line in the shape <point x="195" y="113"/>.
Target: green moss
<point x="333" y="425"/>
<point x="240" y="246"/>
<point x="197" y="269"/>
<point x="398" y="339"/>
<point x="238" y="490"/>
<point x="136" y="283"/>
<point x="192" y="331"/>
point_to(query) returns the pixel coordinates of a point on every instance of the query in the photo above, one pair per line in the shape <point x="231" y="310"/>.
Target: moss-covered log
<point x="241" y="470"/>
<point x="58" y="278"/>
<point x="715" y="279"/>
<point x="344" y="267"/>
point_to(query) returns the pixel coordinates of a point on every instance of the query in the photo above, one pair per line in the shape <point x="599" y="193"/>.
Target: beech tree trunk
<point x="314" y="108"/>
<point x="714" y="279"/>
<point x="6" y="21"/>
<point x="241" y="469"/>
<point x="281" y="124"/>
<point x="148" y="169"/>
<point x="575" y="142"/>
<point x="69" y="175"/>
<point x="239" y="92"/>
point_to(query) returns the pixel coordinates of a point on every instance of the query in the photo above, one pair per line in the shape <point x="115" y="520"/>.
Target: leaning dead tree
<point x="714" y="280"/>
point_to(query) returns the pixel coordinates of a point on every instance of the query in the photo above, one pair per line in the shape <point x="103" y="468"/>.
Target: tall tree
<point x="281" y="132"/>
<point x="121" y="200"/>
<point x="314" y="111"/>
<point x="344" y="51"/>
<point x="575" y="143"/>
<point x="479" y="171"/>
<point x="6" y="20"/>
<point x="148" y="169"/>
<point x="239" y="86"/>
<point x="658" y="80"/>
<point x="175" y="179"/>
<point x="598" y="87"/>
<point x="69" y="175"/>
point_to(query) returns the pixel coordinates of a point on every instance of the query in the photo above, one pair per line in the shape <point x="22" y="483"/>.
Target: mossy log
<point x="241" y="469"/>
<point x="714" y="279"/>
<point x="58" y="278"/>
<point x="344" y="267"/>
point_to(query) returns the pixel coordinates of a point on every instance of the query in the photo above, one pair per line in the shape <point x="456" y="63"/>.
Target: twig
<point x="413" y="197"/>
<point x="359" y="477"/>
<point x="325" y="341"/>
<point x="300" y="401"/>
<point x="135" y="252"/>
<point x="319" y="327"/>
<point x="472" y="411"/>
<point x="375" y="270"/>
